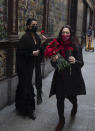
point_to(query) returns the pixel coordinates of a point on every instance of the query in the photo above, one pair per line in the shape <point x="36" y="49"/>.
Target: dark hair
<point x="29" y="21"/>
<point x="60" y="32"/>
<point x="73" y="38"/>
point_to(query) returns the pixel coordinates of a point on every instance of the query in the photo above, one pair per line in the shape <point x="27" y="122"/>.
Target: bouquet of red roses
<point x="55" y="48"/>
<point x="52" y="49"/>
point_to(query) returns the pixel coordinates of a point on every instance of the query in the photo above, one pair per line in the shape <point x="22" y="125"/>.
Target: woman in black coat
<point x="28" y="57"/>
<point x="69" y="83"/>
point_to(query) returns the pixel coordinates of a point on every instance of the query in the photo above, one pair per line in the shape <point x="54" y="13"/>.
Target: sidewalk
<point x="47" y="117"/>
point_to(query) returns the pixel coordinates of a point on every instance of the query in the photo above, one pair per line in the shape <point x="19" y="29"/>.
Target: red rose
<point x="70" y="48"/>
<point x="42" y="32"/>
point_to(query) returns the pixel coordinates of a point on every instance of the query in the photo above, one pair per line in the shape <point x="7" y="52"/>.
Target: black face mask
<point x="34" y="29"/>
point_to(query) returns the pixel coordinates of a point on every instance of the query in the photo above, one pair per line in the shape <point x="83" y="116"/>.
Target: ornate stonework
<point x="29" y="9"/>
<point x="57" y="16"/>
<point x="2" y="64"/>
<point x="3" y="19"/>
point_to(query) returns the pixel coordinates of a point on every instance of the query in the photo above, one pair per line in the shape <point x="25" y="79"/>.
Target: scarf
<point x="65" y="46"/>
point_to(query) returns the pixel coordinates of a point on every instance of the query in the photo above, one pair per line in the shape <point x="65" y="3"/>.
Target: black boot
<point x="74" y="110"/>
<point x="39" y="97"/>
<point x="32" y="115"/>
<point x="60" y="125"/>
<point x="39" y="100"/>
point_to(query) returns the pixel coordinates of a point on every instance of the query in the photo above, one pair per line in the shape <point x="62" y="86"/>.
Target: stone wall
<point x="79" y="19"/>
<point x="88" y="18"/>
<point x="3" y="18"/>
<point x="29" y="9"/>
<point x="57" y="16"/>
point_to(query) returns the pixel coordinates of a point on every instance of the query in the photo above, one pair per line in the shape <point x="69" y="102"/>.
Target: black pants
<point x="60" y="104"/>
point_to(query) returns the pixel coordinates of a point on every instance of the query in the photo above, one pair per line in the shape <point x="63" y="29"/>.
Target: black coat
<point x="66" y="84"/>
<point x="27" y="46"/>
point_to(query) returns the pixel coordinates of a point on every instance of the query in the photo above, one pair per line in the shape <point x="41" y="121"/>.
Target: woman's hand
<point x="54" y="58"/>
<point x="44" y="38"/>
<point x="72" y="59"/>
<point x="36" y="53"/>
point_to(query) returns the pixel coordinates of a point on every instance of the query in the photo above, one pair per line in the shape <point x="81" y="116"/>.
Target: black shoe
<point x="60" y="125"/>
<point x="32" y="115"/>
<point x="39" y="100"/>
<point x="74" y="110"/>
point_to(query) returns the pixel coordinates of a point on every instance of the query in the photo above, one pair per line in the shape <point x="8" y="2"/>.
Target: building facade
<point x="51" y="16"/>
